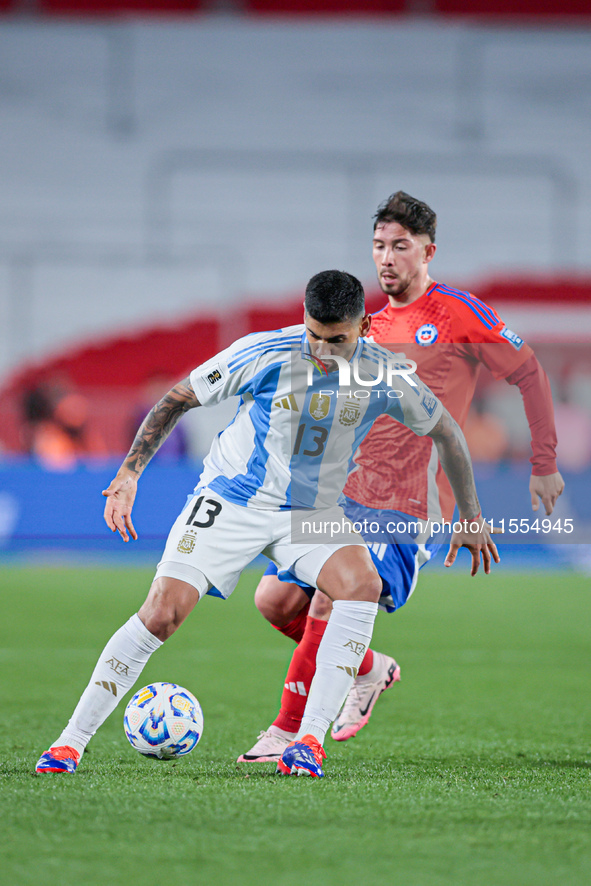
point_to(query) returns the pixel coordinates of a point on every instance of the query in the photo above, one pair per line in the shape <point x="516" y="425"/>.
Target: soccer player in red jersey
<point x="396" y="479"/>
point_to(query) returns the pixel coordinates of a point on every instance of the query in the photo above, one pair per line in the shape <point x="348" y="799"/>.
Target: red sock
<point x="367" y="663"/>
<point x="295" y="629"/>
<point x="299" y="676"/>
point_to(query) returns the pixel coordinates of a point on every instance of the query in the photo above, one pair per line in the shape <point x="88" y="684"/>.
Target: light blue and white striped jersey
<point x="296" y="429"/>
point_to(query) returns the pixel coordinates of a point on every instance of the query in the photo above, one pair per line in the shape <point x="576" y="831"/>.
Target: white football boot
<point x="269" y="746"/>
<point x="363" y="695"/>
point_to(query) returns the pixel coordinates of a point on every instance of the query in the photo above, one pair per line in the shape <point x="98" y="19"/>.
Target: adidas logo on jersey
<point x="287" y="403"/>
<point x="378" y="549"/>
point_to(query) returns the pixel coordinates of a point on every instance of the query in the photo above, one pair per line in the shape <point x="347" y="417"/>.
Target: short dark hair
<point x="334" y="296"/>
<point x="412" y="214"/>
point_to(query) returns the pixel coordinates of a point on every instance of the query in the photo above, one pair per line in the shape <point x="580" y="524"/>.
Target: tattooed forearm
<point x="158" y="424"/>
<point x="454" y="456"/>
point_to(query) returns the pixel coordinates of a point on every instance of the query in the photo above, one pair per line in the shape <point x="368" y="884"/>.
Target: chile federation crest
<point x="427" y="334"/>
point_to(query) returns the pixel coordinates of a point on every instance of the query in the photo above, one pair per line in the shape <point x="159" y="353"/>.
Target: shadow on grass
<point x="537" y="763"/>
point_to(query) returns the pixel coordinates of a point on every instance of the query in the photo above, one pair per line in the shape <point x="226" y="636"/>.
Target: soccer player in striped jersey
<point x="271" y="477"/>
<point x="396" y="477"/>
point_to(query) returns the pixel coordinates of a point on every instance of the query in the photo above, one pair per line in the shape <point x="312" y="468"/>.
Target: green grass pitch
<point x="475" y="769"/>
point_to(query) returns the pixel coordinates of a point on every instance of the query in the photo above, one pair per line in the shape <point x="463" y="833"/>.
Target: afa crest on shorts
<point x="186" y="544"/>
<point x="427" y="334"/>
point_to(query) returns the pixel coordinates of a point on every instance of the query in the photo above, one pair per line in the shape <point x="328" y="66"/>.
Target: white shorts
<point x="215" y="538"/>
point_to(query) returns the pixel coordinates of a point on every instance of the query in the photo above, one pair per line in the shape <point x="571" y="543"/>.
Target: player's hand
<point x="476" y="536"/>
<point x="547" y="488"/>
<point x="120" y="497"/>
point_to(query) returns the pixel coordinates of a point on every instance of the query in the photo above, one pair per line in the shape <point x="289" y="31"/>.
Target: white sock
<point x="120" y="664"/>
<point x="345" y="641"/>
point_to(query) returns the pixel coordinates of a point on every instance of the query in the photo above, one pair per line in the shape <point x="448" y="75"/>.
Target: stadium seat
<point x="111" y="7"/>
<point x="506" y="8"/>
<point x="325" y="7"/>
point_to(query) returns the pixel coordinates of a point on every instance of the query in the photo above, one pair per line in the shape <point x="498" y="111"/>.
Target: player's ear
<point x="430" y="250"/>
<point x="365" y="326"/>
<point x="305" y="312"/>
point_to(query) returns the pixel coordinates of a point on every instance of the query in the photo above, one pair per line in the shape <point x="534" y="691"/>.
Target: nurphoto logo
<point x="388" y="369"/>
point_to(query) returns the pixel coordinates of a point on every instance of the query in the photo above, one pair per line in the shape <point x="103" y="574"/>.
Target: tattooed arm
<point x="474" y="533"/>
<point x="154" y="429"/>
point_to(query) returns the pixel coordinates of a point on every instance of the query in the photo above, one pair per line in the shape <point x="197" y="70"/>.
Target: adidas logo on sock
<point x="351" y="671"/>
<point x="110" y="687"/>
<point x="298" y="688"/>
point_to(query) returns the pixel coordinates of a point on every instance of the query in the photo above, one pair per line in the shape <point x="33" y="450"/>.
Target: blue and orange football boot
<point x="60" y="759"/>
<point x="302" y="757"/>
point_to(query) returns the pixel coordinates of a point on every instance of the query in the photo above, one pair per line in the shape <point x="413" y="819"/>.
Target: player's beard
<point x="398" y="288"/>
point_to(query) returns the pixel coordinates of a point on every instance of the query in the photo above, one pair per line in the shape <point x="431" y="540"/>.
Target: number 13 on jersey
<point x="310" y="440"/>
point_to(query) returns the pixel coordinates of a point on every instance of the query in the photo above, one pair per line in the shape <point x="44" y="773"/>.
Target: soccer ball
<point x="163" y="720"/>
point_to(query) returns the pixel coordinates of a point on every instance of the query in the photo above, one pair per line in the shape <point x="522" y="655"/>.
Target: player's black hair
<point x="412" y="214"/>
<point x="334" y="297"/>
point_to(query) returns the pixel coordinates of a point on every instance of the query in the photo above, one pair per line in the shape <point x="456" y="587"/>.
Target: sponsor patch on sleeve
<point x="429" y="403"/>
<point x="214" y="377"/>
<point x="512" y="337"/>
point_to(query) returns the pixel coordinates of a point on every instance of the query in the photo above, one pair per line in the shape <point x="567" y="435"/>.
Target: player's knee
<point x="166" y="607"/>
<point x="160" y="621"/>
<point x="351" y="575"/>
<point x="277" y="601"/>
<point x="270" y="604"/>
<point x="320" y="607"/>
<point x="366" y="586"/>
<point x="363" y="586"/>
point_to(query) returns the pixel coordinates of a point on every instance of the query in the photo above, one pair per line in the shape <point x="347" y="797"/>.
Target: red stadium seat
<point x="110" y="372"/>
<point x="529" y="290"/>
<point x="113" y="7"/>
<point x="326" y="7"/>
<point x="506" y="8"/>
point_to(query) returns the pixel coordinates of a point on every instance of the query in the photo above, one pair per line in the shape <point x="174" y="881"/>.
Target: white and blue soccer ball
<point x="163" y="720"/>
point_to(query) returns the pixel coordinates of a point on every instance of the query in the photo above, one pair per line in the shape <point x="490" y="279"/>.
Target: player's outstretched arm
<point x="154" y="429"/>
<point x="546" y="483"/>
<point x="475" y="534"/>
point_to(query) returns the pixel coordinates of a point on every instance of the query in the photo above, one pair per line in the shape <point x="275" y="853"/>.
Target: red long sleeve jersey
<point x="448" y="333"/>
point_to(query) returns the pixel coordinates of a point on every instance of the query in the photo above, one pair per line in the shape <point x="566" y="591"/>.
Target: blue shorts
<point x="393" y="549"/>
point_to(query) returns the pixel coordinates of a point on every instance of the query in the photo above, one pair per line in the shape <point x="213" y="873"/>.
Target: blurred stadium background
<point x="174" y="171"/>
